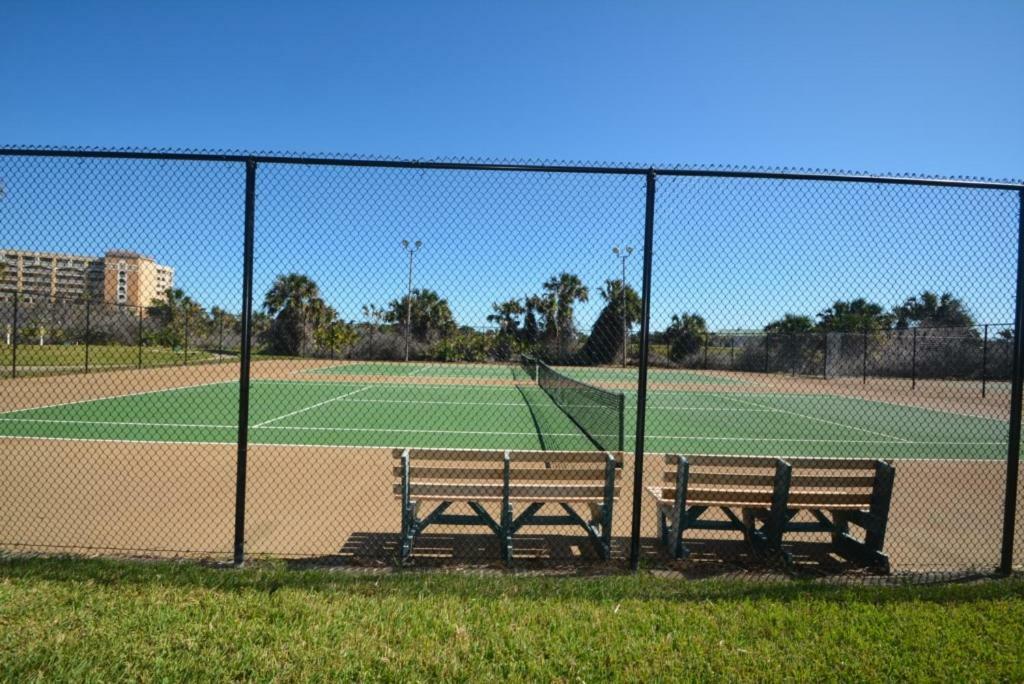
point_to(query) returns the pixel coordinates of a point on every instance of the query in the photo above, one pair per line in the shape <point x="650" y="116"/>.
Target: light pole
<point x="624" y="254"/>
<point x="411" y="248"/>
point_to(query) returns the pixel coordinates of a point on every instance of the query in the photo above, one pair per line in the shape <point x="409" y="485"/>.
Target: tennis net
<point x="599" y="413"/>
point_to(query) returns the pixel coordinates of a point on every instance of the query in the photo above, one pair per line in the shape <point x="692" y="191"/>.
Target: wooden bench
<point x="760" y="496"/>
<point x="745" y="489"/>
<point x="838" y="493"/>
<point x="511" y="480"/>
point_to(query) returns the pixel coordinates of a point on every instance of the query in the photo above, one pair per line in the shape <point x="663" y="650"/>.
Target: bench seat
<point x="761" y="496"/>
<point x="521" y="483"/>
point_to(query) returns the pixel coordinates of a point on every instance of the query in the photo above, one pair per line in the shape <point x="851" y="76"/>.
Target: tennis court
<point x="144" y="460"/>
<point x="511" y="414"/>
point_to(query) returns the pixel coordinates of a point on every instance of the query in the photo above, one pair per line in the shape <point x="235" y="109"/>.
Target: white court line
<point x="797" y="440"/>
<point x="702" y="408"/>
<point x="121" y="396"/>
<point x="440" y="386"/>
<point x="310" y="408"/>
<point x="823" y="420"/>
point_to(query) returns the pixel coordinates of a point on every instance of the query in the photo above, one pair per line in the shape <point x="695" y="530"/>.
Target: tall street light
<point x="624" y="254"/>
<point x="411" y="248"/>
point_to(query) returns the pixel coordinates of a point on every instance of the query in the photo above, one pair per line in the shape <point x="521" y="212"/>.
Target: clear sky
<point x="922" y="87"/>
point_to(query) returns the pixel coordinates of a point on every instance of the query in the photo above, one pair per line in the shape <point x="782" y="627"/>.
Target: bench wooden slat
<point x="828" y="499"/>
<point x="491" y="492"/>
<point x="741" y="479"/>
<point x="456" y="455"/>
<point x="825" y="463"/>
<point x="716" y="460"/>
<point x="749" y="462"/>
<point x="827" y="481"/>
<point x="738" y="479"/>
<point x="455" y="472"/>
<point x="720" y="496"/>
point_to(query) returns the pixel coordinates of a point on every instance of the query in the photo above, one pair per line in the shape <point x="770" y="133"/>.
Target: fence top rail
<point x="623" y="169"/>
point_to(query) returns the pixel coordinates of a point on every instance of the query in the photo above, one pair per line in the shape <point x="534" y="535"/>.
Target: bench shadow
<point x="566" y="554"/>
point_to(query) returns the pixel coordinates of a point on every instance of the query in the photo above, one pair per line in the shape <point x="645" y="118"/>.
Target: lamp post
<point x="624" y="254"/>
<point x="411" y="249"/>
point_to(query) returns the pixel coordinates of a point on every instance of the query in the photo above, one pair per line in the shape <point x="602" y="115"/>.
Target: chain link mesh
<point x="829" y="375"/>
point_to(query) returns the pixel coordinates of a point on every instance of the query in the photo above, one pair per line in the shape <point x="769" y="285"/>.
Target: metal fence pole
<point x="243" y="374"/>
<point x="220" y="333"/>
<point x="140" y="337"/>
<point x="984" y="361"/>
<point x="707" y="339"/>
<point x="766" y="338"/>
<point x="88" y="325"/>
<point x="1017" y="385"/>
<point x="641" y="395"/>
<point x="732" y="354"/>
<point x="14" y="338"/>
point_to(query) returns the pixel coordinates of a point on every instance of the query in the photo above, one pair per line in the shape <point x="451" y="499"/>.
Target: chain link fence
<point x="380" y="362"/>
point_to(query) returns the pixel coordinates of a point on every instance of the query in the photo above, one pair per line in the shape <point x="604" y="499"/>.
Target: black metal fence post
<point x="766" y="357"/>
<point x="88" y="331"/>
<point x="243" y="373"/>
<point x="220" y="332"/>
<point x="1016" y="388"/>
<point x="140" y="336"/>
<point x="984" y="361"/>
<point x="641" y="394"/>
<point x="14" y="338"/>
<point x="707" y="339"/>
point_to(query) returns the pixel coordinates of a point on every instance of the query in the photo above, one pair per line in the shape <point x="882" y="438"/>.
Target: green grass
<point x="497" y="417"/>
<point x="57" y="357"/>
<point x="77" y="620"/>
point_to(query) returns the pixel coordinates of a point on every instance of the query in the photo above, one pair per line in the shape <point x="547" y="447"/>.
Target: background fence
<point x="325" y="315"/>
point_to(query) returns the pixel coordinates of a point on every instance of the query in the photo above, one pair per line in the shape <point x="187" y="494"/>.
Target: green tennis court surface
<point x="507" y="417"/>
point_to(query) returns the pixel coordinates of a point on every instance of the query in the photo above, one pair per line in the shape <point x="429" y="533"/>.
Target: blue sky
<point x="922" y="87"/>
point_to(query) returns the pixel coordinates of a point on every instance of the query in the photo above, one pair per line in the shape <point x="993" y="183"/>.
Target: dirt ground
<point x="336" y="505"/>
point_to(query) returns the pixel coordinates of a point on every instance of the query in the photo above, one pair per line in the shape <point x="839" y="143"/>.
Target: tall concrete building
<point x="117" y="277"/>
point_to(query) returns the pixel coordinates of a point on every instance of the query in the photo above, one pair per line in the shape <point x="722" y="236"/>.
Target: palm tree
<point x="506" y="315"/>
<point x="294" y="300"/>
<point x="566" y="289"/>
<point x="176" y="312"/>
<point x="934" y="311"/>
<point x="429" y="314"/>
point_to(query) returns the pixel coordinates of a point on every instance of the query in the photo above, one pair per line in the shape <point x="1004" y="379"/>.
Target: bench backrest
<point x="451" y="474"/>
<point x="834" y="483"/>
<point x="813" y="482"/>
<point x="722" y="480"/>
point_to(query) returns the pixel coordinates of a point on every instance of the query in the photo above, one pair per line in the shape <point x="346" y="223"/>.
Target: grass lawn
<point x="87" y="620"/>
<point x="57" y="356"/>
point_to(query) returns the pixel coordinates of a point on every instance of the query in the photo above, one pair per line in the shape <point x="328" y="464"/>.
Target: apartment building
<point x="119" y="276"/>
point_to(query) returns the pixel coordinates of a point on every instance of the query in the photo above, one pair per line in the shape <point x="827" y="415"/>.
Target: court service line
<point x="120" y="396"/>
<point x="310" y="408"/>
<point x="821" y="420"/>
